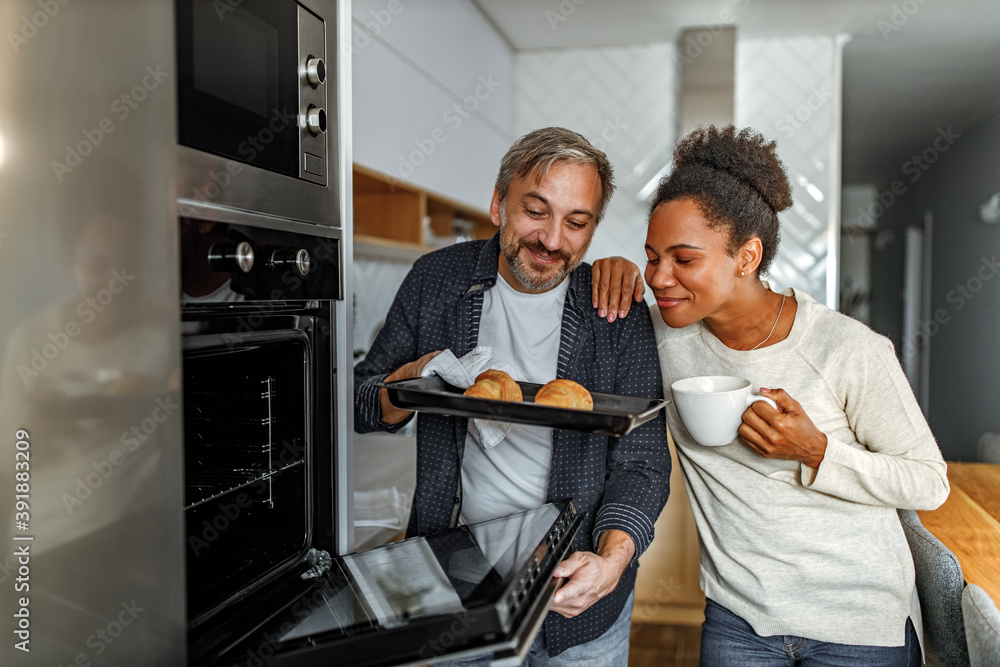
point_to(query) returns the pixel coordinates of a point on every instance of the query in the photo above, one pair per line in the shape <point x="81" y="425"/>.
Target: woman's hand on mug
<point x="787" y="433"/>
<point x="614" y="283"/>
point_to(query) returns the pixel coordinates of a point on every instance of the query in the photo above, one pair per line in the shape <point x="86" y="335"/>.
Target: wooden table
<point x="968" y="523"/>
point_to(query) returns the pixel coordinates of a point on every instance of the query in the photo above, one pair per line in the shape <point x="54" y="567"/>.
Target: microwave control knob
<point x="315" y="120"/>
<point x="315" y="71"/>
<point x="231" y="257"/>
<point x="296" y="260"/>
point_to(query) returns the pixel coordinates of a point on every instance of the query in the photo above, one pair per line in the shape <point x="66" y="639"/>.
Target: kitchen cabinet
<point x="394" y="214"/>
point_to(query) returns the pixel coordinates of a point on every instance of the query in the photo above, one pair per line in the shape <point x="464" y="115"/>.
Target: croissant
<point x="565" y="394"/>
<point x="496" y="385"/>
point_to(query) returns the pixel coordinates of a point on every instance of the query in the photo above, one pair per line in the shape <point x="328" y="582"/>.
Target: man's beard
<point x="511" y="249"/>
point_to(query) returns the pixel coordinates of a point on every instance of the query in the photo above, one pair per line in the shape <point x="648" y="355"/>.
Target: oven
<point x="266" y="581"/>
<point x="259" y="351"/>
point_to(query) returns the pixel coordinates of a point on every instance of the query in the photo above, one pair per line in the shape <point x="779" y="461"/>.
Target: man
<point x="525" y="293"/>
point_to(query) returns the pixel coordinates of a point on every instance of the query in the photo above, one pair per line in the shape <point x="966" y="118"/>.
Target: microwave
<point x="252" y="85"/>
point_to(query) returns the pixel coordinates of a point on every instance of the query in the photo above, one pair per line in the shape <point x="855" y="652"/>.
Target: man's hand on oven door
<point x="390" y="413"/>
<point x="591" y="576"/>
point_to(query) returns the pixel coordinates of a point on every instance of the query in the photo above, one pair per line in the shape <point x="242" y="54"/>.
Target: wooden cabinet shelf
<point x="376" y="247"/>
<point x="389" y="213"/>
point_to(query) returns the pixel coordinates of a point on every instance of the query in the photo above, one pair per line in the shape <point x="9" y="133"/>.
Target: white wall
<point x="432" y="95"/>
<point x="433" y="105"/>
<point x="624" y="100"/>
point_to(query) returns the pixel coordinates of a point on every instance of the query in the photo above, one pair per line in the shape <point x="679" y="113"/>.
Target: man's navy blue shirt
<point x="621" y="483"/>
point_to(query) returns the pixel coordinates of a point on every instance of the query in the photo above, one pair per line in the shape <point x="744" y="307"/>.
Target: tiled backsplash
<point x="624" y="100"/>
<point x="789" y="89"/>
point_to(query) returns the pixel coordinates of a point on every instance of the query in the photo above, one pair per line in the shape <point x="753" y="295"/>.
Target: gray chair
<point x="989" y="448"/>
<point x="982" y="627"/>
<point x="939" y="586"/>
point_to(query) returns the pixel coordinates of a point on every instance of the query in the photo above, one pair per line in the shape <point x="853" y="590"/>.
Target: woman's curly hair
<point x="738" y="182"/>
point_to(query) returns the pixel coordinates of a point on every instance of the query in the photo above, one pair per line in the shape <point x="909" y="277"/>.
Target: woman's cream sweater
<point x="796" y="551"/>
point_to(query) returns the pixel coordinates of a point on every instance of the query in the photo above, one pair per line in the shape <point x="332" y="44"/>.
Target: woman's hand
<point x="786" y="433"/>
<point x="612" y="281"/>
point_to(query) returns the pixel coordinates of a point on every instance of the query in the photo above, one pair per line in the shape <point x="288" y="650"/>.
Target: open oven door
<point x="469" y="590"/>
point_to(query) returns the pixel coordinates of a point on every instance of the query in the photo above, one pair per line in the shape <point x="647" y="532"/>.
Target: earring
<point x="742" y="274"/>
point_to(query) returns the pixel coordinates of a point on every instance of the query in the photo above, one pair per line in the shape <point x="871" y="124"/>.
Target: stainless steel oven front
<point x="261" y="444"/>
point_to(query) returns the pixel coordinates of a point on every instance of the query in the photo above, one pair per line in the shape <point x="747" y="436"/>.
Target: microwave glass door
<point x="239" y="80"/>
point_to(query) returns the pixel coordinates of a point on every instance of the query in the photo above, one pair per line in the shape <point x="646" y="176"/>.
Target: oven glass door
<point x="238" y="80"/>
<point x="246" y="433"/>
<point x="463" y="591"/>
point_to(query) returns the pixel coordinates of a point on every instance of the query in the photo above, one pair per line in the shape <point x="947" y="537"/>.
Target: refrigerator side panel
<point x="92" y="539"/>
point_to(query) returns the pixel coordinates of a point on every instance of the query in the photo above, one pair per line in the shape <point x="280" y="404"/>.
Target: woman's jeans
<point x="729" y="641"/>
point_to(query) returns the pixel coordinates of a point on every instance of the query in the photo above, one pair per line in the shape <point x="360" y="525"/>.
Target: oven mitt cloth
<point x="462" y="372"/>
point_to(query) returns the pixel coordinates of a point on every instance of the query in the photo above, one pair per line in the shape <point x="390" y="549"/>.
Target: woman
<point x="803" y="558"/>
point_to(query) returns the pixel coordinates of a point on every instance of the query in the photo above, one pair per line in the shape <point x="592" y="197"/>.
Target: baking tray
<point x="613" y="414"/>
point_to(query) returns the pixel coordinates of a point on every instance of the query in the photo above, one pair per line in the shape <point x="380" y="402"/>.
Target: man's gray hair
<point x="538" y="150"/>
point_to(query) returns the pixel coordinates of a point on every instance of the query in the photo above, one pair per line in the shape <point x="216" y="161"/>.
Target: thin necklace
<point x="773" y="326"/>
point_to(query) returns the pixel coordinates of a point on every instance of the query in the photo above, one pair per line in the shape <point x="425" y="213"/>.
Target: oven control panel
<point x="556" y="547"/>
<point x="225" y="262"/>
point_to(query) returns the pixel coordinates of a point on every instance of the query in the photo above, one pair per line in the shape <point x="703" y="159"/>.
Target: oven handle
<point x="194" y="312"/>
<point x="512" y="657"/>
<point x="199" y="342"/>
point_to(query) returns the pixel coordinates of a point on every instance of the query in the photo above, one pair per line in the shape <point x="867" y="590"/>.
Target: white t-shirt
<point x="524" y="331"/>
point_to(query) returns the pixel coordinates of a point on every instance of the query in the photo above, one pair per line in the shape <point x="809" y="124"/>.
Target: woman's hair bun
<point x="745" y="154"/>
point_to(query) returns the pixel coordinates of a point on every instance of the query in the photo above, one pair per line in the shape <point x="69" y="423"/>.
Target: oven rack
<point x="225" y="399"/>
<point x="200" y="389"/>
<point x="225" y="432"/>
<point x="212" y="418"/>
<point x="203" y="486"/>
<point x="237" y="447"/>
<point x="211" y="396"/>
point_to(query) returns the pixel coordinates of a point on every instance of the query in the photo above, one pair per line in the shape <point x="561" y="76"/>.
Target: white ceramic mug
<point x="712" y="406"/>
